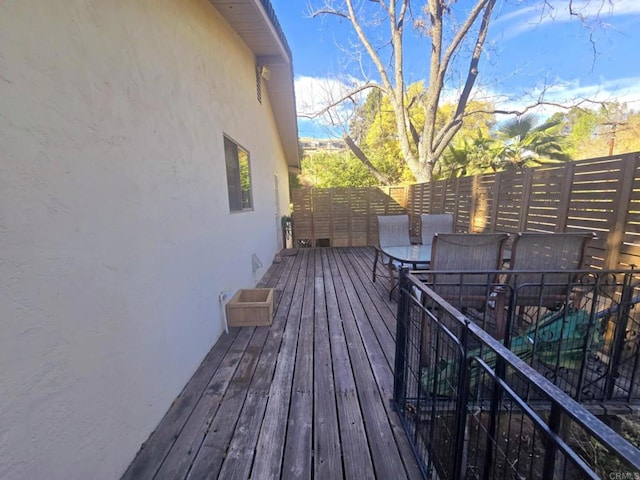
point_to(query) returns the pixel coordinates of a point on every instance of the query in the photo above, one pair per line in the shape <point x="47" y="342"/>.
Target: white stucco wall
<point x="115" y="231"/>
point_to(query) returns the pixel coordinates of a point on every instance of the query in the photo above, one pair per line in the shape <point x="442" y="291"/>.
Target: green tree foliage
<point x="334" y="169"/>
<point x="471" y="154"/>
<point x="517" y="143"/>
<point x="365" y="116"/>
<point x="595" y="133"/>
<point x="375" y="128"/>
<point x="524" y="143"/>
<point x="471" y="150"/>
<point x="379" y="135"/>
<point x="452" y="35"/>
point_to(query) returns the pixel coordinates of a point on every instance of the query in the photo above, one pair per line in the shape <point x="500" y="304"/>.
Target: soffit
<point x="256" y="23"/>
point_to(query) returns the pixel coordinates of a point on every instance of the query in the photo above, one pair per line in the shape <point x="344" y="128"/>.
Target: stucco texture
<point x="115" y="232"/>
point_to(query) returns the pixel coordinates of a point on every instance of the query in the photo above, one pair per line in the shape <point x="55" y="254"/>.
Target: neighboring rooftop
<point x="322" y="144"/>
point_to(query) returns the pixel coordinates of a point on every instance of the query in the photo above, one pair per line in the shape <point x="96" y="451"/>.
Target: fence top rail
<point x="573" y="409"/>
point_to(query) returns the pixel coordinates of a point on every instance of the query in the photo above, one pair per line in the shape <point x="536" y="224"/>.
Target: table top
<point x="414" y="254"/>
<point x="421" y="254"/>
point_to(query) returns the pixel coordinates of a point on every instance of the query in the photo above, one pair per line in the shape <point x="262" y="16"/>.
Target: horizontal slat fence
<point x="343" y="217"/>
<point x="601" y="195"/>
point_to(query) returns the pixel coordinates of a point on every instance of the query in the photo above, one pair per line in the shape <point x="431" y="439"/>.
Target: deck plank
<point x="326" y="441"/>
<point x="270" y="446"/>
<point x="384" y="452"/>
<point x="355" y="447"/>
<point x="380" y="354"/>
<point x="238" y="460"/>
<point x="386" y="380"/>
<point x="188" y="443"/>
<point x="153" y="452"/>
<point x="209" y="459"/>
<point x="307" y="397"/>
<point x="298" y="449"/>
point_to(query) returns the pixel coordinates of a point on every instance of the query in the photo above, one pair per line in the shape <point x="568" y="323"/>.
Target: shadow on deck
<point x="308" y="397"/>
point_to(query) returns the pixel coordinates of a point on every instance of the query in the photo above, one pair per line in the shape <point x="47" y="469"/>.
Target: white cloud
<point x="315" y="94"/>
<point x="526" y="19"/>
<point x="567" y="94"/>
<point x="561" y="95"/>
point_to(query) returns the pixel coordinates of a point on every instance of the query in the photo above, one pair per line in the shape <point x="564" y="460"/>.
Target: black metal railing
<point x="473" y="408"/>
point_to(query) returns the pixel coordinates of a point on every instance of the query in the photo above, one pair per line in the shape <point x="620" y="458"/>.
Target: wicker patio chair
<point x="393" y="231"/>
<point x="430" y="224"/>
<point x="462" y="253"/>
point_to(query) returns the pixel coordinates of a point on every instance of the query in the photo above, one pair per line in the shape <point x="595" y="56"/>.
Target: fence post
<point x="623" y="197"/>
<point x="565" y="196"/>
<point x="473" y="202"/>
<point x="527" y="180"/>
<point x="456" y="205"/>
<point x="495" y="203"/>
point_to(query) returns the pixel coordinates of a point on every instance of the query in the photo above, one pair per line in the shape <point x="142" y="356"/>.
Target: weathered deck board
<point x="355" y="450"/>
<point x="270" y="446"/>
<point x="297" y="454"/>
<point x="154" y="451"/>
<point x="326" y="442"/>
<point x="307" y="397"/>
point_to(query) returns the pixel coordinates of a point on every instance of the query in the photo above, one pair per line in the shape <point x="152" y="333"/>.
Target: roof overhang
<point x="256" y="23"/>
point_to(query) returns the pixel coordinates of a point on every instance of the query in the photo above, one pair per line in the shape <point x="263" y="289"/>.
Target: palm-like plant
<point x="467" y="156"/>
<point x="523" y="143"/>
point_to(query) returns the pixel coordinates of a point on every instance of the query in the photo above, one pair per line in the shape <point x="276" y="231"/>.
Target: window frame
<point x="240" y="200"/>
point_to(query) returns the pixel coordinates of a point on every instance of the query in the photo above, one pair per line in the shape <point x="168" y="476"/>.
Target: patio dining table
<point x="414" y="255"/>
<point x="417" y="257"/>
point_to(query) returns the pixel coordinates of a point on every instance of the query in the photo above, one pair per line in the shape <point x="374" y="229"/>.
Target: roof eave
<point x="256" y="23"/>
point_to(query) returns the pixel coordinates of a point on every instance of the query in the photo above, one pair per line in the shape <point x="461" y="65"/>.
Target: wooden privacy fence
<point x="600" y="195"/>
<point x="343" y="217"/>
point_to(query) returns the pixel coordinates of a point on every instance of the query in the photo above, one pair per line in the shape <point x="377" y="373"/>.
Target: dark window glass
<point x="238" y="176"/>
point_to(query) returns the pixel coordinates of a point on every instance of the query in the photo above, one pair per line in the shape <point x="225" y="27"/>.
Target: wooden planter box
<point x="250" y="308"/>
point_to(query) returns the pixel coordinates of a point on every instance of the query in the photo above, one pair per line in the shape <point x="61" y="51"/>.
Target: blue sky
<point x="527" y="49"/>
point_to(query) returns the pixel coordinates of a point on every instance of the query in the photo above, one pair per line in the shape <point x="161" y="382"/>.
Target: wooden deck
<point x="308" y="397"/>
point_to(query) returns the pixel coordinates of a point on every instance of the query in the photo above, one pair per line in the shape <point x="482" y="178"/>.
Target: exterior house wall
<point x="114" y="219"/>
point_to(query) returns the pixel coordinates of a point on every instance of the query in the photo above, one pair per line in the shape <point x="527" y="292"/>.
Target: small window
<point x="238" y="176"/>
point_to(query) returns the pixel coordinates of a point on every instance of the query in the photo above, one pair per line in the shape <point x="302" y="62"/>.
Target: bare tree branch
<point x="533" y="106"/>
<point x="421" y="148"/>
<point x="448" y="131"/>
<point x="347" y="96"/>
<point x="384" y="180"/>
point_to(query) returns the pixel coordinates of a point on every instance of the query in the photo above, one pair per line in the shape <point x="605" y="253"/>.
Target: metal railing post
<point x="620" y="334"/>
<point x="401" y="340"/>
<point x="555" y="417"/>
<point x="461" y="408"/>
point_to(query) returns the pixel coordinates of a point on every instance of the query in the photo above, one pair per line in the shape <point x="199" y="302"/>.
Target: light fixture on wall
<point x="265" y="73"/>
